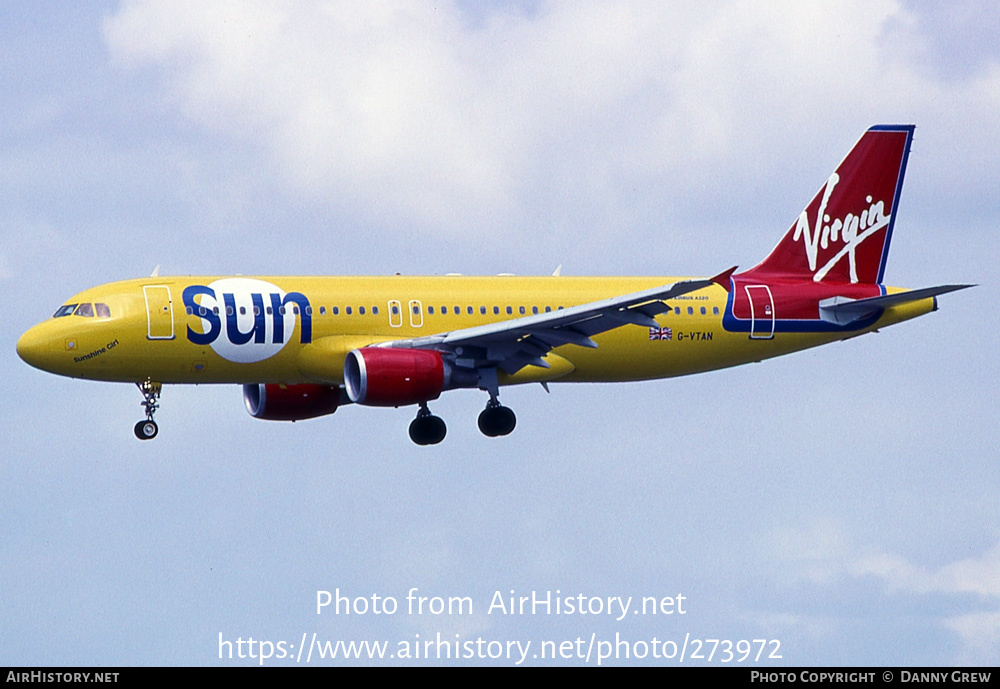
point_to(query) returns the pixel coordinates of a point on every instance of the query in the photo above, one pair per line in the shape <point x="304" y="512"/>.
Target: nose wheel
<point x="147" y="430"/>
<point x="427" y="429"/>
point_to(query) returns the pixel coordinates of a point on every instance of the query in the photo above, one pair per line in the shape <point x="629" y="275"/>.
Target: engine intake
<point x="290" y="402"/>
<point x="389" y="377"/>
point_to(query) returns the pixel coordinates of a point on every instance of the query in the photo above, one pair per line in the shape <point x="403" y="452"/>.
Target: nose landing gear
<point x="147" y="430"/>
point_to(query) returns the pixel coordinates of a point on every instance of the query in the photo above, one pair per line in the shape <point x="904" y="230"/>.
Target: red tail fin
<point x="843" y="234"/>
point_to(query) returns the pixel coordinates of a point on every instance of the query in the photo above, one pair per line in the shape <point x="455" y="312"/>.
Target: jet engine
<point x="290" y="402"/>
<point x="390" y="377"/>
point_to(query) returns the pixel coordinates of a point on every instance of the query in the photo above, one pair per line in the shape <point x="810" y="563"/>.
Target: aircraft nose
<point x="33" y="348"/>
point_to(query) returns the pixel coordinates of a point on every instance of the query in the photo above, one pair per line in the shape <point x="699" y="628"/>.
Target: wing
<point x="513" y="344"/>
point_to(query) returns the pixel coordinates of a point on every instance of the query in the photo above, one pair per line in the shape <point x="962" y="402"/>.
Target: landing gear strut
<point x="147" y="430"/>
<point x="496" y="419"/>
<point x="427" y="429"/>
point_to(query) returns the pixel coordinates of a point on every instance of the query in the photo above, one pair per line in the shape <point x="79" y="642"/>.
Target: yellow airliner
<point x="303" y="346"/>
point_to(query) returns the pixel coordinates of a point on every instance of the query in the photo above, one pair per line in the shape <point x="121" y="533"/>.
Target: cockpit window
<point x="85" y="310"/>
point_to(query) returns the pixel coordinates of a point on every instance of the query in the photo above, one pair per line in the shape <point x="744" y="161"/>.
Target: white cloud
<point x="972" y="575"/>
<point x="409" y="113"/>
<point x="821" y="553"/>
<point x="980" y="634"/>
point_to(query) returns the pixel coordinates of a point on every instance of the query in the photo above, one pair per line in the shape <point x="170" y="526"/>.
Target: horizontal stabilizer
<point x="843" y="311"/>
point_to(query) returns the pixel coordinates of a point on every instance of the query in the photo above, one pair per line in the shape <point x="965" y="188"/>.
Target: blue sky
<point x="841" y="500"/>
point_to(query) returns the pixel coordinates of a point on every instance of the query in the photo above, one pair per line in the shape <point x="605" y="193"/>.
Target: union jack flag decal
<point x="660" y="333"/>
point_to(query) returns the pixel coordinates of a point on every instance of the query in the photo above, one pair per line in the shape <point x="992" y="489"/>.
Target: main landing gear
<point x="496" y="419"/>
<point x="147" y="430"/>
<point x="427" y="429"/>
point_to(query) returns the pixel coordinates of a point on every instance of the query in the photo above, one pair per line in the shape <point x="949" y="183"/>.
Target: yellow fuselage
<point x="147" y="329"/>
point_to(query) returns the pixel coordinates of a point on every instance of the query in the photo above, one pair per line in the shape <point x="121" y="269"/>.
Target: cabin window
<point x="416" y="313"/>
<point x="468" y="310"/>
<point x="348" y="310"/>
<point x="510" y="310"/>
<point x="336" y="310"/>
<point x="375" y="310"/>
<point x="534" y="309"/>
<point x="361" y="310"/>
<point x="677" y="311"/>
<point x="322" y="311"/>
<point x="715" y="310"/>
<point x="430" y="310"/>
<point x="85" y="310"/>
<point x="458" y="310"/>
<point x="229" y="311"/>
<point x="66" y="310"/>
<point x="703" y="311"/>
<point x="548" y="309"/>
<point x="395" y="309"/>
<point x="496" y="310"/>
<point x="521" y="310"/>
<point x="690" y="311"/>
<point x="482" y="310"/>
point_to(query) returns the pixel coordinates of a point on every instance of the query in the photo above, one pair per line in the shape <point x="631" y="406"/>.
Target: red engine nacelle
<point x="387" y="377"/>
<point x="290" y="402"/>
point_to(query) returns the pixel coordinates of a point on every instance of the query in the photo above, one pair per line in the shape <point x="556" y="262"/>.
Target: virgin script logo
<point x="849" y="231"/>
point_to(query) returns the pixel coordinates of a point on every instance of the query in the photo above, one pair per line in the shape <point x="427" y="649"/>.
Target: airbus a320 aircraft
<point x="303" y="346"/>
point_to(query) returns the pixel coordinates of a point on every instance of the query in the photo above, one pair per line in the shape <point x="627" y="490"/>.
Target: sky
<point x="840" y="502"/>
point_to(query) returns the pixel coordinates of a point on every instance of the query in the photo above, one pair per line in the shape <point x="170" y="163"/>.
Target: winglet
<point x="156" y="271"/>
<point x="722" y="279"/>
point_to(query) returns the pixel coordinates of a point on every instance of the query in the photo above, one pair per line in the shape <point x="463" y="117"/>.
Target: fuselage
<point x="290" y="330"/>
